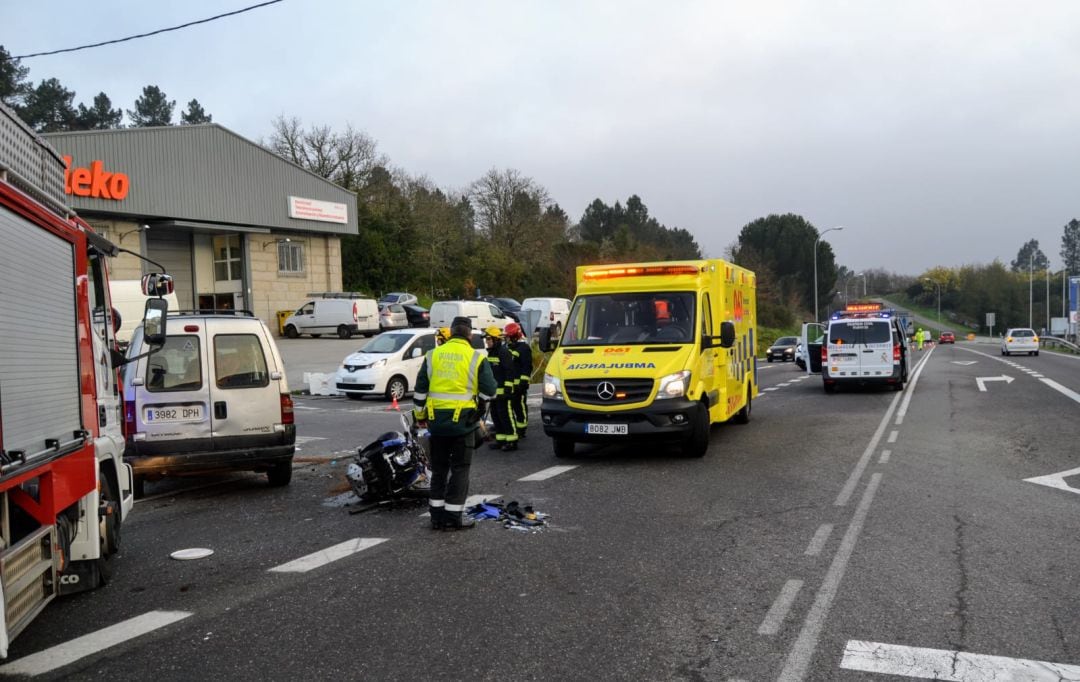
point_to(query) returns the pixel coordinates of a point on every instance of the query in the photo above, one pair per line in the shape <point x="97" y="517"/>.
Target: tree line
<point x="502" y="234"/>
<point x="49" y="107"/>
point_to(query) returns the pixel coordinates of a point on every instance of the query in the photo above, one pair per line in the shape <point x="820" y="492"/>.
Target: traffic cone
<point x="393" y="405"/>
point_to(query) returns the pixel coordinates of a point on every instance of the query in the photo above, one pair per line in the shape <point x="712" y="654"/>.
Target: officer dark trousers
<point x="451" y="457"/>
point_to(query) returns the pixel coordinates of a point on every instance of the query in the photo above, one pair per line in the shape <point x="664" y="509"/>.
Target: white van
<point x="864" y="349"/>
<point x="128" y="298"/>
<point x="214" y="398"/>
<point x="553" y="312"/>
<point x="341" y="316"/>
<point x="481" y="313"/>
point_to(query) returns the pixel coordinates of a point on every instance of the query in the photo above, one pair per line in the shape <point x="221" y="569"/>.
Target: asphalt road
<point x="833" y="535"/>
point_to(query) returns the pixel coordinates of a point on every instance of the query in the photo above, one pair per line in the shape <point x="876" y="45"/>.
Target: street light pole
<point x="1031" y="291"/>
<point x="816" y="242"/>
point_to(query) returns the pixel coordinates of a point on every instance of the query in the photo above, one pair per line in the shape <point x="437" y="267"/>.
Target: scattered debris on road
<point x="512" y="515"/>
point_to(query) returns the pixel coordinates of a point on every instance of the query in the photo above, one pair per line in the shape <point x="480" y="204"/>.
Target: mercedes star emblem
<point x="606" y="390"/>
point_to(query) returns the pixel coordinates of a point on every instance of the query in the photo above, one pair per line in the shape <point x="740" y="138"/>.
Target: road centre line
<point x="780" y="607"/>
<point x="911" y="388"/>
<point x="856" y="473"/>
<point x="884" y="456"/>
<point x="772" y="388"/>
<point x="802" y="652"/>
<point x="893" y="435"/>
<point x="63" y="654"/>
<point x="817" y="543"/>
<point x="938" y="664"/>
<point x="550" y="472"/>
<point x="325" y="556"/>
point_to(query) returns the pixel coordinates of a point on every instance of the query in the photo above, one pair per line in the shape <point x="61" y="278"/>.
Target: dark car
<point x="947" y="337"/>
<point x="783" y="349"/>
<point x="508" y="306"/>
<point x="418" y="315"/>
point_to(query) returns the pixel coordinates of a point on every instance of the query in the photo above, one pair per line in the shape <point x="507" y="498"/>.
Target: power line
<point x="152" y="33"/>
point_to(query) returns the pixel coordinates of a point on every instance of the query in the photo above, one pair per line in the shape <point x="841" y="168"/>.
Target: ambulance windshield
<point x="632" y="318"/>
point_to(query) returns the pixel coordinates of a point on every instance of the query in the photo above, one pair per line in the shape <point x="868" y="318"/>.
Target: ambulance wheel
<point x="290" y="332"/>
<point x="280" y="473"/>
<point x="743" y="415"/>
<point x="697" y="444"/>
<point x="343" y="332"/>
<point x="563" y="447"/>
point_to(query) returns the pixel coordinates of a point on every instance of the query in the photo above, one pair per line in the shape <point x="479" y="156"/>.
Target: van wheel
<point x="343" y="332"/>
<point x="290" y="332"/>
<point x="396" y="387"/>
<point x="743" y="415"/>
<point x="355" y="396"/>
<point x="563" y="447"/>
<point x="280" y="474"/>
<point x="697" y="444"/>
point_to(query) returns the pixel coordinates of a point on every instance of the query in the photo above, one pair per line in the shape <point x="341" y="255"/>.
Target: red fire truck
<point x="64" y="488"/>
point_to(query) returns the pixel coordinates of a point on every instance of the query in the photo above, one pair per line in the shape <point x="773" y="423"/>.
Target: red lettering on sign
<point x="95" y="182"/>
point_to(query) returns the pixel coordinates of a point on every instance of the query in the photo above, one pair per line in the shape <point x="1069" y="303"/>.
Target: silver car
<point x="1020" y="340"/>
<point x="392" y="316"/>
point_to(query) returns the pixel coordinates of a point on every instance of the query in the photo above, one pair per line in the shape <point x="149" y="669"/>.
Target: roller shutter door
<point x="173" y="250"/>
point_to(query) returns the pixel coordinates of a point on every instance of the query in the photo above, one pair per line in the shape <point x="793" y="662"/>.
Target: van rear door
<point x="245" y="401"/>
<point x="811" y="347"/>
<point x="172" y="410"/>
<point x="876" y="354"/>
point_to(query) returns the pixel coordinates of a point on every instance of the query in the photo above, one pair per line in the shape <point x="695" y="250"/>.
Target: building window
<point x="290" y="257"/>
<point x="228" y="264"/>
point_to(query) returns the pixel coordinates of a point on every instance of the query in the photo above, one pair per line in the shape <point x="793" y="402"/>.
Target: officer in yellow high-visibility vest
<point x="452" y="390"/>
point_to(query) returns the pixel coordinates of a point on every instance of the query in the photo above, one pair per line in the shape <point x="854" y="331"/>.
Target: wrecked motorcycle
<point x="392" y="467"/>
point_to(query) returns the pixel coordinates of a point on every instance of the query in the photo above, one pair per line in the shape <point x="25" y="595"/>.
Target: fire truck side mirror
<point x="157" y="284"/>
<point x="154" y="321"/>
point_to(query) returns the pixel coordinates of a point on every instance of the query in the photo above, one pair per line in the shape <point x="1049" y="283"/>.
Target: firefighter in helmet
<point x="519" y="348"/>
<point x="502" y="365"/>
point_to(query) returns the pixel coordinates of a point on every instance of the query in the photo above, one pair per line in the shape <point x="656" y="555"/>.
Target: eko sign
<point x="95" y="182"/>
<point x="322" y="211"/>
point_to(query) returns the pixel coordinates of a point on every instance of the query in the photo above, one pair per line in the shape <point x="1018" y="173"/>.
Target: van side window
<point x="308" y="309"/>
<point x="176" y="367"/>
<point x="239" y="361"/>
<point x="706" y="316"/>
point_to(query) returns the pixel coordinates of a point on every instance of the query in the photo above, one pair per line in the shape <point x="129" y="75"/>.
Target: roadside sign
<point x="990" y="321"/>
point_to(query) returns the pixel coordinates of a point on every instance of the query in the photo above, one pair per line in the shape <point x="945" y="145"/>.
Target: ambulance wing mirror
<point x="154" y="319"/>
<point x="727" y="334"/>
<point x="157" y="284"/>
<point x="547" y="341"/>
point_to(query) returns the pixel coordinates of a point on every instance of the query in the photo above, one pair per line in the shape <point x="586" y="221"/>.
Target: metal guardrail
<point x="1058" y="341"/>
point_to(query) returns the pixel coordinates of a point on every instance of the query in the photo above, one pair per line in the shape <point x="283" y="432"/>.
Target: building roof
<point x="201" y="173"/>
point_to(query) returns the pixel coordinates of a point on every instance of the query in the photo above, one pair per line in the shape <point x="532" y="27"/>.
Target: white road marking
<point x="308" y="439"/>
<point x="325" y="556"/>
<point x="305" y="407"/>
<point x="916" y="373"/>
<point x="779" y="609"/>
<point x="981" y="381"/>
<point x="964" y="362"/>
<point x="63" y="654"/>
<point x="1056" y="480"/>
<point x="550" y="472"/>
<point x="802" y="652"/>
<point x="856" y="473"/>
<point x="885" y="456"/>
<point x="1068" y="393"/>
<point x="1037" y="375"/>
<point x="892" y="436"/>
<point x="817" y="543"/>
<point x="939" y="664"/>
<point x="771" y="388"/>
<point x="786" y="383"/>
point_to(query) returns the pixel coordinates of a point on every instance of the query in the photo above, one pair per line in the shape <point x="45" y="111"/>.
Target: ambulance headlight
<point x="674" y="385"/>
<point x="552" y="387"/>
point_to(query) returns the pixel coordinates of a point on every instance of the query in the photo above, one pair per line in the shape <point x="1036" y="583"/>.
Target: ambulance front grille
<point x="623" y="391"/>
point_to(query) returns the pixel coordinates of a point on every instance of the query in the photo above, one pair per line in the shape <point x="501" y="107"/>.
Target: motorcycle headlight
<point x="552" y="387"/>
<point x="674" y="385"/>
<point x="402" y="457"/>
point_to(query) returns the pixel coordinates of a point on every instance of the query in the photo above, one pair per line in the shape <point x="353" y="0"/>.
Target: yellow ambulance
<point x="657" y="350"/>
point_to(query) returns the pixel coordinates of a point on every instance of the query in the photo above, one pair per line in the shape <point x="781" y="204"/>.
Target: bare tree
<point x="346" y="158"/>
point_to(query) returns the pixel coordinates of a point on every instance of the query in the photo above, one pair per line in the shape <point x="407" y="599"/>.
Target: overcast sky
<point x="936" y="133"/>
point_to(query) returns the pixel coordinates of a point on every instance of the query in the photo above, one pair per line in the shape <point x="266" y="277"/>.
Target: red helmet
<point x="513" y="330"/>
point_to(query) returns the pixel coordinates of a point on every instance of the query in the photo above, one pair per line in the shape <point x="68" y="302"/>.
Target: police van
<point x="864" y="344"/>
<point x="653" y="350"/>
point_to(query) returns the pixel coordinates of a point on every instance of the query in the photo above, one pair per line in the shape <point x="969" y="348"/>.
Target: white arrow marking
<point x="1056" y="480"/>
<point x="964" y="362"/>
<point x="981" y="381"/>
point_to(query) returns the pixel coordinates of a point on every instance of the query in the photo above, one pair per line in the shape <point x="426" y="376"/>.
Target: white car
<point x="1020" y="340"/>
<point x="388" y="364"/>
<point x="553" y="312"/>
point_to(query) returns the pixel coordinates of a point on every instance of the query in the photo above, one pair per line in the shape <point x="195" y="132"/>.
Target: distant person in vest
<point x="452" y="390"/>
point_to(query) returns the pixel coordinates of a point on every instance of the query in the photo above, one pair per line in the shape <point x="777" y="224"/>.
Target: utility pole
<point x="1047" y="298"/>
<point x="1031" y="290"/>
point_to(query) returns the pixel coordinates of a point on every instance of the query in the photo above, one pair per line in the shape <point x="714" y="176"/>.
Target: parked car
<point x="481" y="314"/>
<point x="397" y="297"/>
<point x="418" y="315"/>
<point x="783" y="349"/>
<point x="387" y="365"/>
<point x="508" y="306"/>
<point x="947" y="337"/>
<point x="392" y="316"/>
<point x="553" y="312"/>
<point x="214" y="398"/>
<point x="341" y="316"/>
<point x="1020" y="340"/>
